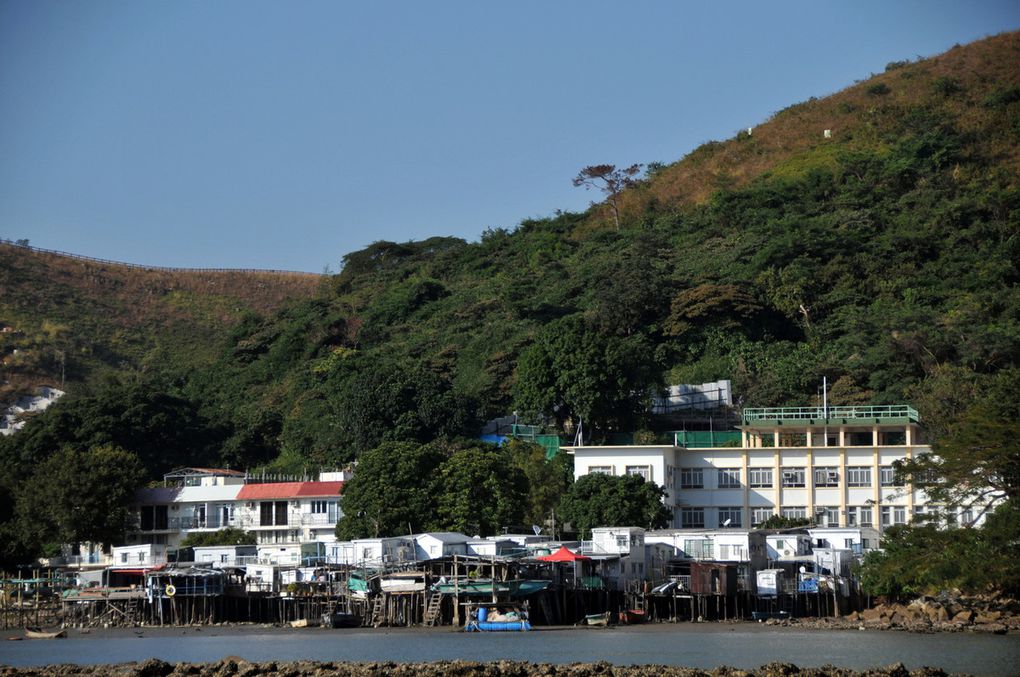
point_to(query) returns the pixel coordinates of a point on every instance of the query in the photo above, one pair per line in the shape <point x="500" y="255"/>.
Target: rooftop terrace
<point x="852" y="415"/>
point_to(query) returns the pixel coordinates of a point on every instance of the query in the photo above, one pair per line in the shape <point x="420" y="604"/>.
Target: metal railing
<point x="879" y="412"/>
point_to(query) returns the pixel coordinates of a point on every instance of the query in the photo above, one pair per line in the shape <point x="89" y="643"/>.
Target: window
<point x="731" y="514"/>
<point x="795" y="513"/>
<point x="123" y="558"/>
<point x="600" y="470"/>
<point x="759" y="515"/>
<point x="273" y="513"/>
<point x="692" y="518"/>
<point x="622" y="541"/>
<point x="885" y="516"/>
<point x="858" y="476"/>
<point x="698" y="548"/>
<point x="827" y="477"/>
<point x="643" y="471"/>
<point x="729" y="478"/>
<point x="851" y="517"/>
<point x="866" y="520"/>
<point x="691" y="478"/>
<point x="967" y="517"/>
<point x="760" y="477"/>
<point x="830" y="516"/>
<point x="323" y="507"/>
<point x="887" y="476"/>
<point x="793" y="477"/>
<point x="899" y="514"/>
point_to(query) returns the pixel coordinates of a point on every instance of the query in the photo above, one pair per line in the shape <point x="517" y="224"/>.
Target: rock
<point x="965" y="616"/>
<point x="872" y="615"/>
<point x="984" y="617"/>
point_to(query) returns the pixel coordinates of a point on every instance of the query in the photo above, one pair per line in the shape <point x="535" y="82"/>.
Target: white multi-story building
<point x="209" y="499"/>
<point x="832" y="466"/>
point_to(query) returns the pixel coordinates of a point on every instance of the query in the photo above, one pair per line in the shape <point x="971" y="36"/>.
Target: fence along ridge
<point x="167" y="269"/>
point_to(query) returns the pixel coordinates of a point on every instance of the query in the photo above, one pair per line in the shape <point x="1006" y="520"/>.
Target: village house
<point x="209" y="499"/>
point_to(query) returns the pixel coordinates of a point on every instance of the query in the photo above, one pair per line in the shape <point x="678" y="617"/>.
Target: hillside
<point x="76" y="320"/>
<point x="972" y="85"/>
<point x="884" y="257"/>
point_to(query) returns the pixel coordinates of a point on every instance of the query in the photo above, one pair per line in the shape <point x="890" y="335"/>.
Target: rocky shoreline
<point x="927" y="614"/>
<point x="237" y="667"/>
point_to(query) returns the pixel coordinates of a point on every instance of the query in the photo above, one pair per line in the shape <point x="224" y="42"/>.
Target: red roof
<point x="564" y="554"/>
<point x="250" y="492"/>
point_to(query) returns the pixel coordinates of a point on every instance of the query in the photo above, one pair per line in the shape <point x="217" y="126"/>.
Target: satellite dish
<point x="727" y="522"/>
<point x="537" y="529"/>
<point x="803" y="569"/>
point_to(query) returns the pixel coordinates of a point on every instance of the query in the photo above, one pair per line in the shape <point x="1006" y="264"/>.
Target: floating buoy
<point x="170" y="590"/>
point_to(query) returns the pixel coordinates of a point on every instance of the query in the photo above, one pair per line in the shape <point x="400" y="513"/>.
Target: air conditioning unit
<point x="787" y="553"/>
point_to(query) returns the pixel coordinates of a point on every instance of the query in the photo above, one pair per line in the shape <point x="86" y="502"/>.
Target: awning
<point x="564" y="554"/>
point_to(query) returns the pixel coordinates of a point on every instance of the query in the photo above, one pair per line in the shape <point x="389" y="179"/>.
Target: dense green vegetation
<point x="885" y="258"/>
<point x="225" y="536"/>
<point x="976" y="467"/>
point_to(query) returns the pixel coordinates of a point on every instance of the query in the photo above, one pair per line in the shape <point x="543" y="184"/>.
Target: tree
<point x="548" y="479"/>
<point x="597" y="500"/>
<point x="226" y="536"/>
<point x="480" y="491"/>
<point x="572" y="372"/>
<point x="609" y="180"/>
<point x="780" y="522"/>
<point x="975" y="464"/>
<point x="79" y="495"/>
<point x="393" y="491"/>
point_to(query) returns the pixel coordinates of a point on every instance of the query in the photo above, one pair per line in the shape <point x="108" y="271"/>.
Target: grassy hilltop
<point x="99" y="319"/>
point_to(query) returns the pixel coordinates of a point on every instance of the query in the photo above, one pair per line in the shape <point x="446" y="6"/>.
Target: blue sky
<point x="255" y="134"/>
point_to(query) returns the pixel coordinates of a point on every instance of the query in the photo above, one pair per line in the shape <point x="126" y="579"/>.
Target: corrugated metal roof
<point x="250" y="492"/>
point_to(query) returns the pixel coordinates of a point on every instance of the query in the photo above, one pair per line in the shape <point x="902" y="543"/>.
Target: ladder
<point x="435" y="605"/>
<point x="378" y="615"/>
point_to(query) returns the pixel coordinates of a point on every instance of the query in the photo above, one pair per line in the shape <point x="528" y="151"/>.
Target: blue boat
<point x="511" y="621"/>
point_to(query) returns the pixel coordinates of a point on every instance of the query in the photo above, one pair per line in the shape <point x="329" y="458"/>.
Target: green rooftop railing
<point x="885" y="413"/>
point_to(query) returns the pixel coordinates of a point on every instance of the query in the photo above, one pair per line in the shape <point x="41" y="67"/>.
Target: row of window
<point x="729" y="478"/>
<point x="643" y="471"/>
<point x="856" y="516"/>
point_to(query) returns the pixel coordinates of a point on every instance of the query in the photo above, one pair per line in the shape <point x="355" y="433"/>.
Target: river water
<point x="701" y="646"/>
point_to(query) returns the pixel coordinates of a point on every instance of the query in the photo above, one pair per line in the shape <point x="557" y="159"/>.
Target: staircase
<point x="432" y="610"/>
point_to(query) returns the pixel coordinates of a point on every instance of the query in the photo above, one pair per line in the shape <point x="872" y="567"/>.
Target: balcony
<point x="852" y="415"/>
<point x="318" y="519"/>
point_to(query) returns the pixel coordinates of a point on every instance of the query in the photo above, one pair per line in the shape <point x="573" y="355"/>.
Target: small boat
<point x="513" y="620"/>
<point x="599" y="620"/>
<point x="39" y="633"/>
<point x="631" y="616"/>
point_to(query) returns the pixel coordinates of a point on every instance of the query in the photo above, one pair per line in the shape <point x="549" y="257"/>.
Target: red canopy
<point x="564" y="554"/>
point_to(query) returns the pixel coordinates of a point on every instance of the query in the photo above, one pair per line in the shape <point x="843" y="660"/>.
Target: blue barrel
<point x="483" y="613"/>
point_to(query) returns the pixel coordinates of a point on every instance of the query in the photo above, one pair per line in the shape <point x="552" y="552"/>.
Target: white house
<point x="719" y="545"/>
<point x="219" y="556"/>
<point x="438" y="544"/>
<point x="138" y="556"/>
<point x="210" y="499"/>
<point x="371" y="552"/>
<point x="788" y="545"/>
<point x="858" y="539"/>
